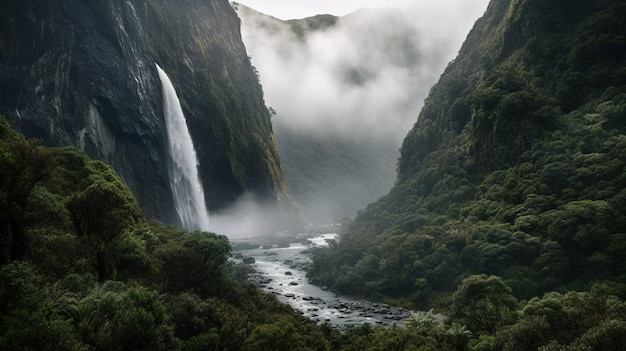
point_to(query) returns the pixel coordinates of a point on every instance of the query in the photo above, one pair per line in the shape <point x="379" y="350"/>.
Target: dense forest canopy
<point x="81" y="268"/>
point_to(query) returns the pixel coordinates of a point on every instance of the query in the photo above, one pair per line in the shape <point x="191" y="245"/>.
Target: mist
<point x="248" y="217"/>
<point x="346" y="91"/>
<point x="368" y="75"/>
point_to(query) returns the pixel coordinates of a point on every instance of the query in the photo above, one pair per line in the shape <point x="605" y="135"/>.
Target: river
<point x="281" y="271"/>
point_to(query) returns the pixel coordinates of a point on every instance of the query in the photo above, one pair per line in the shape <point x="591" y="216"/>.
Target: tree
<point x="100" y="214"/>
<point x="484" y="303"/>
<point x="193" y="262"/>
<point x="134" y="319"/>
<point x="277" y="336"/>
<point x="31" y="317"/>
<point x="24" y="164"/>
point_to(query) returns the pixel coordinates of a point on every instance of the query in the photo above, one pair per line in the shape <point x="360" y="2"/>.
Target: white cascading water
<point x="183" y="166"/>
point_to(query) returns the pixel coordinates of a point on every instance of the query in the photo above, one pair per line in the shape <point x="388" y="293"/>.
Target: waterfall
<point x="183" y="163"/>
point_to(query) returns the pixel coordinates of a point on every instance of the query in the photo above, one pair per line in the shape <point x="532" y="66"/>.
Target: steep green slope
<point x="515" y="166"/>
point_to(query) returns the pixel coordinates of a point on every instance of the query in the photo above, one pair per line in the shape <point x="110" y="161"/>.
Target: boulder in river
<point x="288" y="273"/>
<point x="249" y="260"/>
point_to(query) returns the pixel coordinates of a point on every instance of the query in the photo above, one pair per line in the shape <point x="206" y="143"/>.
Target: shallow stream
<point x="281" y="271"/>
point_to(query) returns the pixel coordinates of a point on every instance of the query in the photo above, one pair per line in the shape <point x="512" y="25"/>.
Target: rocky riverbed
<point x="282" y="271"/>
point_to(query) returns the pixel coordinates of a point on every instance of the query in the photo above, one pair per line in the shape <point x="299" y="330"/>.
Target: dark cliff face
<point x="82" y="73"/>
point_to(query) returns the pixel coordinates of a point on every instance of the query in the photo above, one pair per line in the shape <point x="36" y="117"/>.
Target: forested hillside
<point x="515" y="167"/>
<point x="81" y="268"/>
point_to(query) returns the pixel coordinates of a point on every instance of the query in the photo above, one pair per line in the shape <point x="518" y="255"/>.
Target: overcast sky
<point x="290" y="9"/>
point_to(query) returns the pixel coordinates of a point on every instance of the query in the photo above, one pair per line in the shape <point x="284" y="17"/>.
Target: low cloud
<point x="347" y="95"/>
<point x="365" y="76"/>
<point x="247" y="217"/>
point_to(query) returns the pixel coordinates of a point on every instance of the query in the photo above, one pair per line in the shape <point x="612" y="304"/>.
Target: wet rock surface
<point x="318" y="303"/>
<point x="82" y="73"/>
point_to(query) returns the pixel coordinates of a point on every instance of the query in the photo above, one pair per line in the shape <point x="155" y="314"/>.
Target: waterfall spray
<point x="183" y="163"/>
